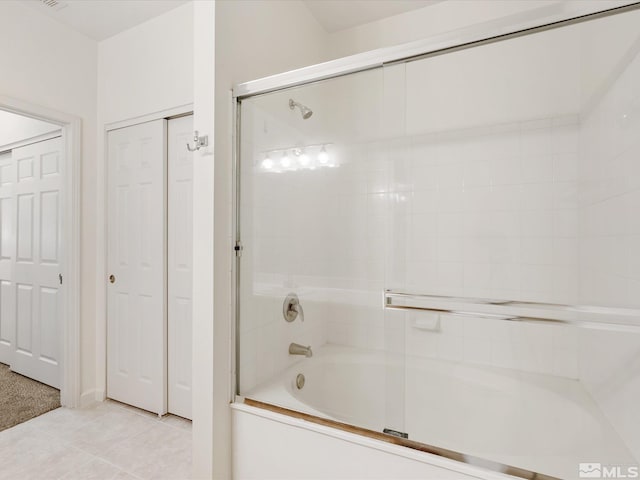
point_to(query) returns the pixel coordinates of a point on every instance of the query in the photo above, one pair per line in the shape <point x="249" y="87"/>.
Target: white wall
<point x="15" y="128"/>
<point x="141" y="71"/>
<point x="148" y="68"/>
<point x="253" y="39"/>
<point x="55" y="67"/>
<point x="448" y="17"/>
<point x="211" y="433"/>
<point x="417" y="24"/>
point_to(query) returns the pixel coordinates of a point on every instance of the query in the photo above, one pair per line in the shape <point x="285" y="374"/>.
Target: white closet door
<point x="136" y="250"/>
<point x="7" y="258"/>
<point x="37" y="170"/>
<point x="180" y="232"/>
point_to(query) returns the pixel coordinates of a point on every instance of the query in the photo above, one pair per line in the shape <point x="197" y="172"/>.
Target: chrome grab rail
<point x="624" y="319"/>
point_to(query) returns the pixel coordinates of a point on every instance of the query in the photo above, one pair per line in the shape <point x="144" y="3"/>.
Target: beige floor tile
<point x="98" y="469"/>
<point x="36" y="456"/>
<point x="161" y="452"/>
<point x="105" y="442"/>
<point x="107" y="430"/>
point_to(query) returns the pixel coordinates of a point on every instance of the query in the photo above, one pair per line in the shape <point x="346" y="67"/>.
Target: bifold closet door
<point x="31" y="251"/>
<point x="136" y="262"/>
<point x="180" y="238"/>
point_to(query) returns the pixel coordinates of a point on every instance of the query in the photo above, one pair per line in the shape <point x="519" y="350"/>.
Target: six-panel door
<point x="136" y="253"/>
<point x="31" y="218"/>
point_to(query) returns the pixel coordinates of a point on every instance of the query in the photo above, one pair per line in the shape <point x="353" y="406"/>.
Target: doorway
<point x="149" y="259"/>
<point x="39" y="246"/>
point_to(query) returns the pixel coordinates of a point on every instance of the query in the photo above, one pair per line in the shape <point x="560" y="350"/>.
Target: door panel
<point x="7" y="257"/>
<point x="180" y="228"/>
<point x="136" y="310"/>
<point x="33" y="236"/>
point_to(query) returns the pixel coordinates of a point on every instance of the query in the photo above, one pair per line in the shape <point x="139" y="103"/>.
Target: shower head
<point x="305" y="111"/>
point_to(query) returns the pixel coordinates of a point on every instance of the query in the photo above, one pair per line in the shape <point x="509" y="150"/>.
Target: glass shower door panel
<point x="313" y="224"/>
<point x="513" y="244"/>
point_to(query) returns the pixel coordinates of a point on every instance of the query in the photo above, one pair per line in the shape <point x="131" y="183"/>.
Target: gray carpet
<point x="22" y="398"/>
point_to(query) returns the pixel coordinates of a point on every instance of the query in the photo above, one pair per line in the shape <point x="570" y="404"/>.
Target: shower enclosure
<point x="444" y="251"/>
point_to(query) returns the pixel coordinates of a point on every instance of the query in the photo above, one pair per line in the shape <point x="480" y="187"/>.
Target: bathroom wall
<point x="441" y="17"/>
<point x="449" y="18"/>
<point x="148" y="68"/>
<point x="55" y="67"/>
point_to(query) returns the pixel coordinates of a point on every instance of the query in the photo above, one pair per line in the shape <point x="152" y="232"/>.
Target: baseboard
<point x="100" y="395"/>
<point x="90" y="397"/>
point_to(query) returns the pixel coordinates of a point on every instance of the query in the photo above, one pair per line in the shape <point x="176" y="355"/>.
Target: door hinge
<point x="238" y="249"/>
<point x="60" y="278"/>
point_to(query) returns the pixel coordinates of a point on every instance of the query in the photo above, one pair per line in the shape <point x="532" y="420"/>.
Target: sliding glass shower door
<point x="445" y="252"/>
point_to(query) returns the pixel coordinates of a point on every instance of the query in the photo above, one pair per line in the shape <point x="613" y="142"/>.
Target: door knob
<point x="112" y="278"/>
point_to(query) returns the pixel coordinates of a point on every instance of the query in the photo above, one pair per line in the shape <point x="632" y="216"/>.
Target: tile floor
<point x="110" y="441"/>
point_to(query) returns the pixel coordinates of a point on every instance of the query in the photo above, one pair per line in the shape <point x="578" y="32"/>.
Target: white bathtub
<point x="532" y="421"/>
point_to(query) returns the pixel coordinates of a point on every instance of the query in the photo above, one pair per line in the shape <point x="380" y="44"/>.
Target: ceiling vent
<point x="54" y="4"/>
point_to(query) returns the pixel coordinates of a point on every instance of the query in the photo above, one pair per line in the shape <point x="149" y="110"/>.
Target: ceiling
<point x="100" y="19"/>
<point x="335" y="15"/>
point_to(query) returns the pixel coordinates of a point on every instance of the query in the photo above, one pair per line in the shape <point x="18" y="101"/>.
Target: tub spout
<point x="296" y="349"/>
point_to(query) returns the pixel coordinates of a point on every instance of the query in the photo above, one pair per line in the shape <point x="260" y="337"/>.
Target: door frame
<point x="71" y="130"/>
<point x="102" y="250"/>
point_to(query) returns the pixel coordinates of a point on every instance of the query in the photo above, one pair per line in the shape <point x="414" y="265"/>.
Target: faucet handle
<point x="298" y="308"/>
<point x="291" y="308"/>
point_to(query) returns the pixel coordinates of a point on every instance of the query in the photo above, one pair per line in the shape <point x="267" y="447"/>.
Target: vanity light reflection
<point x="267" y="163"/>
<point x="310" y="157"/>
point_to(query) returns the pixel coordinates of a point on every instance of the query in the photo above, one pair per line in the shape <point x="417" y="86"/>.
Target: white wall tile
<point x="537" y="169"/>
<point x="565" y="167"/>
<point x="506" y="170"/>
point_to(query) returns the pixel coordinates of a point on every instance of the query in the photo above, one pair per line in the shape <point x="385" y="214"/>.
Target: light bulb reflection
<point x="294" y="159"/>
<point x="323" y="156"/>
<point x="285" y="161"/>
<point x="267" y="163"/>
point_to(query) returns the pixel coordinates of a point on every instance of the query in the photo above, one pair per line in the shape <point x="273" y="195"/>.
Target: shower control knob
<point x="291" y="308"/>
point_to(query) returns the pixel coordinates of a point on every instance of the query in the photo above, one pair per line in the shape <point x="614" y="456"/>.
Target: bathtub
<point x="535" y="422"/>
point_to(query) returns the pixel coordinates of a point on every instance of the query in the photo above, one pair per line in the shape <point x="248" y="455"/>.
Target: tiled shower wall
<point x="515" y="209"/>
<point x="493" y="212"/>
<point x="488" y="212"/>
<point x="610" y="244"/>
